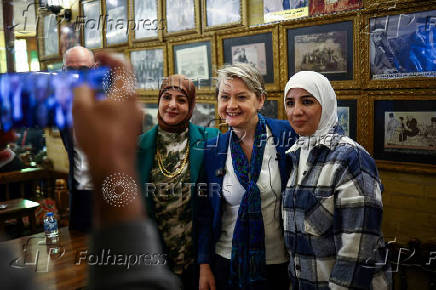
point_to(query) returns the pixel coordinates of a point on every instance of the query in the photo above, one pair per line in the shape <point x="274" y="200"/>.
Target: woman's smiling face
<point x="173" y="106"/>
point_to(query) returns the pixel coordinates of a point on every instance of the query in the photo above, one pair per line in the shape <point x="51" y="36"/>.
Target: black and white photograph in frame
<point x="116" y="23"/>
<point x="92" y="30"/>
<point x="222" y="12"/>
<point x="146" y="19"/>
<point x="270" y="109"/>
<point x="253" y="53"/>
<point x="180" y="15"/>
<point x="193" y="61"/>
<point x="347" y="117"/>
<point x="148" y="67"/>
<point x="51" y="37"/>
<point x="204" y="115"/>
<point x="150" y="116"/>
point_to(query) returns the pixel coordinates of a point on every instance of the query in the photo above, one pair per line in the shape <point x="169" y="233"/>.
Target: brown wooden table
<point x="18" y="208"/>
<point x="55" y="267"/>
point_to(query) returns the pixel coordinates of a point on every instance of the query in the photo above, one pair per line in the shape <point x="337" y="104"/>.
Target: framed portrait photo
<point x="204" y="114"/>
<point x="327" y="49"/>
<point x="403" y="46"/>
<point x="147" y="18"/>
<point x="182" y="17"/>
<point x="279" y="10"/>
<point x="222" y="13"/>
<point x="50" y="36"/>
<point x="149" y="66"/>
<point x="116" y="22"/>
<point x="93" y="24"/>
<point x="258" y="48"/>
<point x="194" y="60"/>
<point x="332" y="6"/>
<point x="150" y="109"/>
<point x="347" y="117"/>
<point x="405" y="130"/>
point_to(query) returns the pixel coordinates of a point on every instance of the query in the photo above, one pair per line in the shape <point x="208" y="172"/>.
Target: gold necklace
<point x="178" y="170"/>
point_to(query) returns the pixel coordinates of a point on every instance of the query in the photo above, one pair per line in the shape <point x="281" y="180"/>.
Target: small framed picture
<point x="69" y="37"/>
<point x="150" y="109"/>
<point x="148" y="20"/>
<point x="204" y="114"/>
<point x="93" y="24"/>
<point x="222" y="14"/>
<point x="347" y="117"/>
<point x="149" y="66"/>
<point x="279" y="10"/>
<point x="401" y="50"/>
<point x="116" y="13"/>
<point x="332" y="6"/>
<point x="195" y="60"/>
<point x="405" y="130"/>
<point x="270" y="109"/>
<point x="50" y="39"/>
<point x="258" y="48"/>
<point x="328" y="48"/>
<point x="182" y="17"/>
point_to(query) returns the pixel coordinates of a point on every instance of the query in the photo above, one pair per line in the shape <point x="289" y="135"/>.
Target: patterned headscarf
<point x="186" y="86"/>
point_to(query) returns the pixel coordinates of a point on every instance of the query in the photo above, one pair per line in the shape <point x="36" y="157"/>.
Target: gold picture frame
<point x="142" y="81"/>
<point x="204" y="48"/>
<point x="134" y="40"/>
<point x="43" y="37"/>
<point x="319" y="26"/>
<point x="401" y="97"/>
<point x="223" y="4"/>
<point x="243" y="36"/>
<point x="85" y="24"/>
<point x="196" y="30"/>
<point x="124" y="42"/>
<point x="372" y="23"/>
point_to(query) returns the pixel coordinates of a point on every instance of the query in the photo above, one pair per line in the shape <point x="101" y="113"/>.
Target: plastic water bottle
<point x="51" y="229"/>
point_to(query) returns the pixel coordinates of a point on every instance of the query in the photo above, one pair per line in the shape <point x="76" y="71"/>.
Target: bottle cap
<point x="49" y="213"/>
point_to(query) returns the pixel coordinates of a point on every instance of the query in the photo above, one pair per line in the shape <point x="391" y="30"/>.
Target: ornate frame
<point x="41" y="40"/>
<point x="354" y="101"/>
<point x="121" y="44"/>
<point x="165" y="67"/>
<point x="138" y="42"/>
<point x="411" y="82"/>
<point x="319" y="21"/>
<point x="82" y="33"/>
<point x="195" y="31"/>
<point x="208" y="88"/>
<point x="281" y="114"/>
<point x="243" y="13"/>
<point x="274" y="30"/>
<point x="412" y="95"/>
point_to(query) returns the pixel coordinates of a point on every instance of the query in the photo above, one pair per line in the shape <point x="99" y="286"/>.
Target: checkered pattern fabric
<point x="332" y="218"/>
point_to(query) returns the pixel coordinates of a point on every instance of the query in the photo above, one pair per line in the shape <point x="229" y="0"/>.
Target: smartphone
<point x="44" y="99"/>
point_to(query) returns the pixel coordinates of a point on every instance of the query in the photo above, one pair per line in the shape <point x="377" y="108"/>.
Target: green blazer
<point x="147" y="149"/>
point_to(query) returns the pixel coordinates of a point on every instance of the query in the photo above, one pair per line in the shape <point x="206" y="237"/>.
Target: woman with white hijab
<point x="332" y="205"/>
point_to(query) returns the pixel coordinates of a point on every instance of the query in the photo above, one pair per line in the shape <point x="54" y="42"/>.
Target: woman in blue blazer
<point x="240" y="243"/>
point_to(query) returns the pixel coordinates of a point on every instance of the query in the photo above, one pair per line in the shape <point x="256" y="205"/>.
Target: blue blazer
<point x="214" y="163"/>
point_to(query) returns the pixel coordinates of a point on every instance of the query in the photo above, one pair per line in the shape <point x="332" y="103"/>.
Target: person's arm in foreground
<point x="107" y="132"/>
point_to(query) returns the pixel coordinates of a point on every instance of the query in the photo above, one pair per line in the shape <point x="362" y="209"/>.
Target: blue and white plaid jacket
<point x="332" y="218"/>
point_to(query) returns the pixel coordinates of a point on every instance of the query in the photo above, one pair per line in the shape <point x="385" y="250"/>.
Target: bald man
<point x="79" y="179"/>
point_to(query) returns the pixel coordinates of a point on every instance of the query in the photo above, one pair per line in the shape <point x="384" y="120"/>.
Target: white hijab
<point x="318" y="86"/>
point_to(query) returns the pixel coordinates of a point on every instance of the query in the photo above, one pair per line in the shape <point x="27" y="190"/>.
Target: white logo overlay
<point x="119" y="84"/>
<point x="119" y="189"/>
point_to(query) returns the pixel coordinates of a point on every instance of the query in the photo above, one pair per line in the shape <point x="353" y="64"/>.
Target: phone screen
<point x="44" y="99"/>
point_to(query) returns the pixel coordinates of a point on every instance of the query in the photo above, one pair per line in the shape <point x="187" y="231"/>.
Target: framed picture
<point x="326" y="47"/>
<point x="402" y="46"/>
<point x="54" y="66"/>
<point x="332" y="6"/>
<point x="256" y="47"/>
<point x="204" y="114"/>
<point x="182" y="17"/>
<point x="271" y="108"/>
<point x="150" y="109"/>
<point x="116" y="14"/>
<point x="70" y="37"/>
<point x="279" y="10"/>
<point x="93" y="24"/>
<point x="405" y="130"/>
<point x="195" y="60"/>
<point x="149" y="66"/>
<point x="222" y="13"/>
<point x="148" y="20"/>
<point x="347" y="117"/>
<point x="50" y="36"/>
